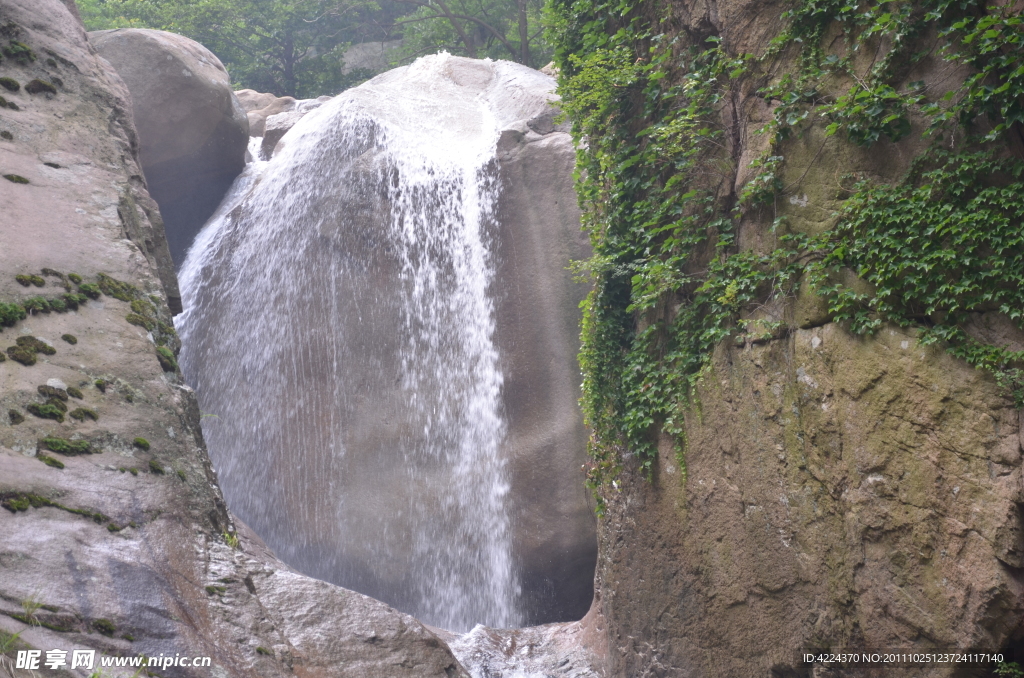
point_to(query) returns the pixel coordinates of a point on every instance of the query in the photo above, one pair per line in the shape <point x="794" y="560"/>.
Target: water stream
<point x="339" y="332"/>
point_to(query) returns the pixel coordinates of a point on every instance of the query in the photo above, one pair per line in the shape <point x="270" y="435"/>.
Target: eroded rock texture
<point x="192" y="130"/>
<point x="117" y="543"/>
<point x="840" y="491"/>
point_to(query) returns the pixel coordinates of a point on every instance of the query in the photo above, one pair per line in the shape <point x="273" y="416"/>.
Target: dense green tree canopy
<point x="296" y="47"/>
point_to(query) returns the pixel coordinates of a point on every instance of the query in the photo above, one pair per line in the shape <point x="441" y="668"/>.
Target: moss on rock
<point x="38" y="86"/>
<point x="70" y="338"/>
<point x="15" y="417"/>
<point x="166" y="358"/>
<point x="68" y="448"/>
<point x="50" y="461"/>
<point x="10" y="84"/>
<point x="83" y="413"/>
<point x="25" y="280"/>
<point x="16" y="178"/>
<point x="22" y="355"/>
<point x="75" y="393"/>
<point x="141" y="443"/>
<point x="52" y="392"/>
<point x="37" y="345"/>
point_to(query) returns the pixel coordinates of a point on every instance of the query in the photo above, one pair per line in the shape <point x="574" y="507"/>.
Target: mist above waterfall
<point x="339" y="332"/>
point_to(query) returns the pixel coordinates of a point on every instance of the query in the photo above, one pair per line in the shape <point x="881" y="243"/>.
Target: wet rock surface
<point x="192" y="130"/>
<point x="121" y="542"/>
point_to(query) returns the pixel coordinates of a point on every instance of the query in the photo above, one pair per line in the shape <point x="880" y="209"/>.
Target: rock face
<point x="538" y="332"/>
<point x="341" y="442"/>
<point x="840" y="491"/>
<point x="271" y="117"/>
<point x="193" y="132"/>
<point x="115" y="535"/>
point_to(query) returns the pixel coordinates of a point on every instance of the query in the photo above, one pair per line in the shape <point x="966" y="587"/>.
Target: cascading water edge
<point x="339" y="332"/>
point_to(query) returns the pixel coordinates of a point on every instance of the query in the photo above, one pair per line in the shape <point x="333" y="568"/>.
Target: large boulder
<point x="371" y="364"/>
<point x="115" y="534"/>
<point x="193" y="132"/>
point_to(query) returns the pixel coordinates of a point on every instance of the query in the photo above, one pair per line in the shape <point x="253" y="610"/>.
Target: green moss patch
<point x="38" y="86"/>
<point x="15" y="417"/>
<point x="166" y="358"/>
<point x="37" y="345"/>
<point x="10" y="314"/>
<point x="23" y="501"/>
<point x="83" y="413"/>
<point x="26" y="280"/>
<point x="105" y="626"/>
<point x="9" y="84"/>
<point x="47" y="411"/>
<point x="141" y="443"/>
<point x="141" y="321"/>
<point x="75" y="393"/>
<point x="69" y="448"/>
<point x="22" y="355"/>
<point x="75" y="278"/>
<point x="20" y="52"/>
<point x="50" y="461"/>
<point x="155" y="467"/>
<point x="117" y="288"/>
<point x="101" y="384"/>
<point x="16" y="178"/>
<point x="52" y="392"/>
<point x="91" y="290"/>
<point x="70" y="338"/>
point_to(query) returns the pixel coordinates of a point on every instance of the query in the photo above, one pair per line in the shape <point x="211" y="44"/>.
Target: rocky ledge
<point x="114" y="533"/>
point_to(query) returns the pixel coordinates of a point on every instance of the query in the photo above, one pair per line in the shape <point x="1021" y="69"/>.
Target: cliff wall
<point x="114" y="535"/>
<point x="798" y="444"/>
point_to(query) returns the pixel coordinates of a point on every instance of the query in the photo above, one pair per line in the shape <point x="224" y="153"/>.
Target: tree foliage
<point x="500" y="29"/>
<point x="288" y="47"/>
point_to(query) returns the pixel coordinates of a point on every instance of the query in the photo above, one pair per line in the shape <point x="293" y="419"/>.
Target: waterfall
<point x="339" y="332"/>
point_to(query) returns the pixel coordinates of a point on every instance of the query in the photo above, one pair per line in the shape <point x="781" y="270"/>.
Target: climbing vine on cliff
<point x="647" y="103"/>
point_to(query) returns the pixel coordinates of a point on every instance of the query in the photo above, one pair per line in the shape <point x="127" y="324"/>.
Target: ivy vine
<point x="670" y="283"/>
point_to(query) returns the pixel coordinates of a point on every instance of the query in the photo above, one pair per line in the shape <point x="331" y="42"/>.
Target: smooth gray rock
<point x="125" y="558"/>
<point x="192" y="130"/>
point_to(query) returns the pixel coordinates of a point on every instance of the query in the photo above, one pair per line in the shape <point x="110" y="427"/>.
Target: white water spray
<point x="338" y="330"/>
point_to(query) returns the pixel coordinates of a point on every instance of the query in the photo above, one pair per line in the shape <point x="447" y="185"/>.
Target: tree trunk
<point x="524" y="35"/>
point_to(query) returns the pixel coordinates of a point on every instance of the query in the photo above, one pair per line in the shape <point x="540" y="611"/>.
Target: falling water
<point x="339" y="332"/>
